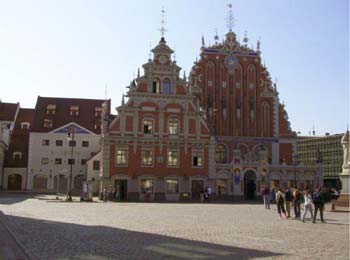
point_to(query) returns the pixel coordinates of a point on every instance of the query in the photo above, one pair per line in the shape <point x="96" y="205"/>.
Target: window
<point x="85" y="143"/>
<point x="46" y="142"/>
<point x="147" y="126"/>
<point x="166" y="86"/>
<point x="220" y="154"/>
<point x="173" y="127"/>
<point x="172" y="186"/>
<point x="17" y="155"/>
<point x="44" y="160"/>
<point x="71" y="161"/>
<point x="147" y="158"/>
<point x="83" y="161"/>
<point x="50" y="109"/>
<point x="197" y="158"/>
<point x="121" y="157"/>
<point x="146" y="186"/>
<point x="58" y="161"/>
<point x="173" y="158"/>
<point x="59" y="143"/>
<point x="48" y="123"/>
<point x="96" y="165"/>
<point x="156" y="86"/>
<point x="74" y="110"/>
<point x="25" y="125"/>
<point x="72" y="143"/>
<point x="98" y="111"/>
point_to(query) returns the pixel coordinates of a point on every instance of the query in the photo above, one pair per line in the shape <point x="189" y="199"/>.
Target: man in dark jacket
<point x="298" y="198"/>
<point x="289" y="198"/>
<point x="319" y="201"/>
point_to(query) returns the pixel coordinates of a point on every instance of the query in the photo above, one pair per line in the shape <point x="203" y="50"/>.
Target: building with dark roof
<point x="64" y="134"/>
<point x="16" y="160"/>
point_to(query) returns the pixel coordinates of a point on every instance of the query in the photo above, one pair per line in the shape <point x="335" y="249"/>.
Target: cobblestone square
<point x="50" y="229"/>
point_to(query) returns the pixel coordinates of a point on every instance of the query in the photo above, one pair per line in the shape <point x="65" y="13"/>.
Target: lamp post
<point x="295" y="162"/>
<point x="70" y="139"/>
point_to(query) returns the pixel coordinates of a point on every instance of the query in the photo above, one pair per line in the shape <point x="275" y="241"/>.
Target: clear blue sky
<point x="68" y="48"/>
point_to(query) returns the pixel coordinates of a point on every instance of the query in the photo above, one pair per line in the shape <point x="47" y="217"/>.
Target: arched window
<point x="220" y="154"/>
<point x="156" y="86"/>
<point x="166" y="86"/>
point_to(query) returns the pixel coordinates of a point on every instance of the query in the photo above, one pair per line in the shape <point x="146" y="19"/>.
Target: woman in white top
<point x="307" y="205"/>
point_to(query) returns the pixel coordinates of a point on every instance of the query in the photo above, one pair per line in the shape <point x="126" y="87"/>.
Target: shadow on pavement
<point x="57" y="240"/>
<point x="13" y="198"/>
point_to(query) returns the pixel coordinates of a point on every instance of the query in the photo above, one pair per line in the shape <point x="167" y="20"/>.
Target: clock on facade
<point x="162" y="59"/>
<point x="231" y="62"/>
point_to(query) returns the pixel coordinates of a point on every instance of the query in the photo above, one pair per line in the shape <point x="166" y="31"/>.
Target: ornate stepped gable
<point x="236" y="91"/>
<point x="160" y="96"/>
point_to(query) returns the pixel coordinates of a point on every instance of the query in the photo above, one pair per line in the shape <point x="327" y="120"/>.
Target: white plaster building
<point x="64" y="135"/>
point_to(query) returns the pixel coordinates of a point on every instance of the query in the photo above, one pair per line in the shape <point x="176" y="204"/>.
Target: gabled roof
<point x="19" y="140"/>
<point x="78" y="129"/>
<point x="61" y="117"/>
<point x="8" y="111"/>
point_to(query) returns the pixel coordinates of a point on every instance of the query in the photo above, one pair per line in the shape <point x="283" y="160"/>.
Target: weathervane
<point x="230" y="19"/>
<point x="162" y="29"/>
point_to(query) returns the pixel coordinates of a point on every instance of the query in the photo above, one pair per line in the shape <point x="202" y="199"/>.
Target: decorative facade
<point x="158" y="147"/>
<point x="254" y="141"/>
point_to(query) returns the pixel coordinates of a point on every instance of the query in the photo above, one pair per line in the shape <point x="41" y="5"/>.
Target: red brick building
<point x="157" y="147"/>
<point x="254" y="141"/>
<point x="224" y="129"/>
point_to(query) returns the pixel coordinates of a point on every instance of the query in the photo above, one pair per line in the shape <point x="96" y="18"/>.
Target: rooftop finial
<point x="203" y="43"/>
<point x="258" y="43"/>
<point x="150" y="51"/>
<point x="138" y="72"/>
<point x="216" y="36"/>
<point x="245" y="39"/>
<point x="162" y="29"/>
<point x="230" y="19"/>
<point x="123" y="100"/>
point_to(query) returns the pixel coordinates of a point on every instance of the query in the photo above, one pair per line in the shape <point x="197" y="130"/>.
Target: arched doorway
<point x="14" y="182"/>
<point x="250" y="185"/>
<point x="40" y="182"/>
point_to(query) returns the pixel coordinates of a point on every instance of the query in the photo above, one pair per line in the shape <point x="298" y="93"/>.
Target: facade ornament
<point x="216" y="37"/>
<point x="123" y="101"/>
<point x="258" y="43"/>
<point x="138" y="72"/>
<point x="245" y="39"/>
<point x="203" y="43"/>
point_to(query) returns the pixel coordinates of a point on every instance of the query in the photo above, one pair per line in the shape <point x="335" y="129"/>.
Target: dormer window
<point x="156" y="86"/>
<point x="50" y="109"/>
<point x="25" y="125"/>
<point x="74" y="110"/>
<point x="147" y="126"/>
<point x="98" y="111"/>
<point x="17" y="155"/>
<point x="48" y="123"/>
<point x="166" y="86"/>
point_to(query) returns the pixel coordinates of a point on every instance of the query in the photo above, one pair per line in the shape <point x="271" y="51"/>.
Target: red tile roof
<point x="61" y="117"/>
<point x="19" y="140"/>
<point x="8" y="111"/>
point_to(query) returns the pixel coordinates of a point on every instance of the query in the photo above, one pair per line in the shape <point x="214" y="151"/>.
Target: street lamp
<point x="70" y="139"/>
<point x="295" y="162"/>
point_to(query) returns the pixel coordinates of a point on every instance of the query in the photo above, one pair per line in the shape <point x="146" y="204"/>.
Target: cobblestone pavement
<point x="52" y="230"/>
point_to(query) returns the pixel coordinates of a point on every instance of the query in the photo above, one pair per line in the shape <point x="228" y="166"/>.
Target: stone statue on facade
<point x="345" y="144"/>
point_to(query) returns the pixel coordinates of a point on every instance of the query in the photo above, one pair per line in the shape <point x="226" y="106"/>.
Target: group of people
<point x="313" y="202"/>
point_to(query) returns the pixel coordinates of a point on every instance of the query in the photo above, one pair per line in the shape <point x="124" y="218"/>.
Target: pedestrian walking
<point x="289" y="198"/>
<point x="319" y="202"/>
<point x="280" y="203"/>
<point x="307" y="205"/>
<point x="266" y="197"/>
<point x="297" y="199"/>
